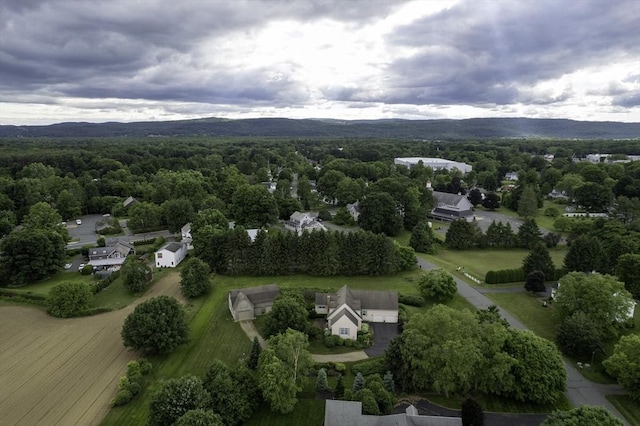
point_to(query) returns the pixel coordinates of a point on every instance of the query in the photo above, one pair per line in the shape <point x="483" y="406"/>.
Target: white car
<point x="67" y="266"/>
<point x="81" y="267"/>
<point x="78" y="222"/>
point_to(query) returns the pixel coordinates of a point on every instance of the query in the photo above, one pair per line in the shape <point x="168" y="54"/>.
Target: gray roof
<point x="173" y="247"/>
<point x="256" y="295"/>
<point x="347" y="313"/>
<point x="349" y="413"/>
<point x="447" y="198"/>
<point x="360" y="299"/>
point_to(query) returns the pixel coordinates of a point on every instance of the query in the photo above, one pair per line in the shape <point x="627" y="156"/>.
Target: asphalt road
<point x="580" y="391"/>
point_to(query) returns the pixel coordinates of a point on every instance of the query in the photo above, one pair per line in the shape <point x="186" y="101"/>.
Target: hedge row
<point x="104" y="283"/>
<point x="516" y="275"/>
<point x="411" y="300"/>
<point x="370" y="367"/>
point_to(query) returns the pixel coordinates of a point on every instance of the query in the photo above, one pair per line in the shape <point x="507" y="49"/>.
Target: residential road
<point x="580" y="391"/>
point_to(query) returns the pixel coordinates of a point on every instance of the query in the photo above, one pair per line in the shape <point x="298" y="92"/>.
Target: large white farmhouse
<point x="170" y="255"/>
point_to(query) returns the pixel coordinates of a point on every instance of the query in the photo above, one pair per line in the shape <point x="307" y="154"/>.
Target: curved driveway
<point x="580" y="391"/>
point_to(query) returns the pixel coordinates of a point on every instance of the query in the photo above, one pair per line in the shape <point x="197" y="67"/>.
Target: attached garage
<point x="391" y="319"/>
<point x="378" y="318"/>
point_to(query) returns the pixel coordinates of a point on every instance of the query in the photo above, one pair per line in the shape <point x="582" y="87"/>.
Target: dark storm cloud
<point x="477" y="53"/>
<point x="121" y="48"/>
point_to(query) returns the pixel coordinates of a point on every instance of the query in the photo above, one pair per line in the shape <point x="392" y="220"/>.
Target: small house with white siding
<point x="347" y="309"/>
<point x="170" y="255"/>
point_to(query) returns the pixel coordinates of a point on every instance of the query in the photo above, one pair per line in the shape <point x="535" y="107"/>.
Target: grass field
<point x="478" y="262"/>
<point x="629" y="408"/>
<point x="528" y="309"/>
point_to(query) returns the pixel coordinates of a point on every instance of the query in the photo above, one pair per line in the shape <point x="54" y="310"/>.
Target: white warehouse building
<point x="434" y="163"/>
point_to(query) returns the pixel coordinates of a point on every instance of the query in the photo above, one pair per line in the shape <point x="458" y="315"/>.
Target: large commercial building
<point x="434" y="163"/>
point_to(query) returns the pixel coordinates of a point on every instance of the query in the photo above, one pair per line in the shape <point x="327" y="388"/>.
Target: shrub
<point x="340" y="367"/>
<point x="411" y="300"/>
<point x="69" y="299"/>
<point x="370" y="367"/>
<point x="87" y="270"/>
<point x="122" y="397"/>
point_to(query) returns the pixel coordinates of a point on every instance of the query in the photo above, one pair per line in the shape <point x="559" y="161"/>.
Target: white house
<point x="347" y="309"/>
<point x="512" y="176"/>
<point x="434" y="163"/>
<point x="300" y="222"/>
<point x="104" y="257"/>
<point x="354" y="210"/>
<point x="451" y="207"/>
<point x="171" y="254"/>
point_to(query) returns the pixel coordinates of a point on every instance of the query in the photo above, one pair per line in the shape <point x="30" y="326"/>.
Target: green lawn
<point x="478" y="262"/>
<point x="629" y="408"/>
<point x="42" y="287"/>
<point x="528" y="309"/>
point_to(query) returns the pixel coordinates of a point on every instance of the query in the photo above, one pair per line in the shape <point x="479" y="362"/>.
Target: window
<point x="159" y="255"/>
<point x="364" y="313"/>
<point x="344" y="331"/>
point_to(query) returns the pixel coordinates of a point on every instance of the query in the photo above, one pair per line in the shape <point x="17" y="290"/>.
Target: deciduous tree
<point x="462" y="235"/>
<point x="624" y="364"/>
<point x="583" y="415"/>
<point x="585" y="254"/>
<point x="175" y="398"/>
<point x="194" y="278"/>
<point x="199" y="417"/>
<point x="69" y="299"/>
<point x="134" y="274"/>
<point x="437" y="285"/>
<point x="378" y="214"/>
<point x="422" y="239"/>
<point x="472" y="413"/>
<point x="535" y="282"/>
<point x="156" y="326"/>
<point x="491" y="201"/>
<point x="579" y="336"/>
<point x="288" y="311"/>
<point x="627" y="270"/>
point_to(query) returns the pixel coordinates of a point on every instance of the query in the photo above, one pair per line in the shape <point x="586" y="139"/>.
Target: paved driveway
<point x="382" y="335"/>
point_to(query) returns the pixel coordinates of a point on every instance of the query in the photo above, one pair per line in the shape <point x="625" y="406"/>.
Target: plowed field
<point x="64" y="371"/>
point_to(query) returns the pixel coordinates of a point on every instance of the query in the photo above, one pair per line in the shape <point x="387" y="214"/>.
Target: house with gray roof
<point x="349" y="413"/>
<point x="347" y="309"/>
<point x="171" y="254"/>
<point x="450" y="207"/>
<point x="304" y="221"/>
<point x="111" y="255"/>
<point x="248" y="303"/>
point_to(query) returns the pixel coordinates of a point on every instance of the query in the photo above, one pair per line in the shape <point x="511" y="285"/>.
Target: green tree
<point x="529" y="234"/>
<point x="472" y="413"/>
<point x="528" y="202"/>
<point x="156" y="326"/>
<point x="583" y="415"/>
<point x="422" y="239"/>
<point x="253" y="206"/>
<point x="254" y="355"/>
<point x="388" y="383"/>
<point x="275" y="379"/>
<point x="134" y="275"/>
<point x="475" y="197"/>
<point x="31" y="254"/>
<point x="67" y="204"/>
<point x="627" y="270"/>
<point x="539" y="259"/>
<point x="69" y="299"/>
<point x="594" y="197"/>
<point x="624" y="364"/>
<point x="338" y="392"/>
<point x="491" y="201"/>
<point x="212" y="217"/>
<point x="7" y="222"/>
<point x="177" y="212"/>
<point x="539" y="374"/>
<point x="321" y="381"/>
<point x="358" y="383"/>
<point x="585" y="254"/>
<point x="462" y="235"/>
<point x="199" y="417"/>
<point x="194" y="278"/>
<point x="579" y="336"/>
<point x="437" y="285"/>
<point x="288" y="311"/>
<point x="535" y="282"/>
<point x="175" y="398"/>
<point x="291" y="347"/>
<point x="378" y="214"/>
<point x="369" y="404"/>
<point x="601" y="297"/>
<point x="231" y="397"/>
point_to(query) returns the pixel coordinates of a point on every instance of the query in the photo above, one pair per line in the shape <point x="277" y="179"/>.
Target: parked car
<point x="81" y="267"/>
<point x="67" y="266"/>
<point x="78" y="222"/>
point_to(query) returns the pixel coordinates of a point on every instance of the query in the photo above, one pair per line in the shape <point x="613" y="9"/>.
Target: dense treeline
<point x="232" y="252"/>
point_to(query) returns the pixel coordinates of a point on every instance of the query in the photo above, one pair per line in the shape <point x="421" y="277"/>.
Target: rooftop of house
<point x="173" y="247"/>
<point x="349" y="413"/>
<point x="359" y="299"/>
<point x="256" y="295"/>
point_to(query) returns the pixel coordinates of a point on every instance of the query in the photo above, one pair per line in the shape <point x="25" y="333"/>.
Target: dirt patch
<point x="64" y="371"/>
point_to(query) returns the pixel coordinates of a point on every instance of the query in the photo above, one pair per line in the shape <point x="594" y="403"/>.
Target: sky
<point x="139" y="60"/>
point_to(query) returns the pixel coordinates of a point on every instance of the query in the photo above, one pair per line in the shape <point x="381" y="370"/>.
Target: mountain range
<point x="476" y="128"/>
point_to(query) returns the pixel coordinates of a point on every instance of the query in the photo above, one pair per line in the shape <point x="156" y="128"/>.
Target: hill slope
<point x="478" y="128"/>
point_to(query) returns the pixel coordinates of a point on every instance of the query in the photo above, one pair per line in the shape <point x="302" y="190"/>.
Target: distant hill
<point x="477" y="128"/>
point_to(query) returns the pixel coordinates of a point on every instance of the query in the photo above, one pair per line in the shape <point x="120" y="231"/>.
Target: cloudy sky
<point x="133" y="60"/>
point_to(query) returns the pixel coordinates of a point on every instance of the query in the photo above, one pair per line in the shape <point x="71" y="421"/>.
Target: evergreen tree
<point x="472" y="413"/>
<point x="339" y="389"/>
<point x="539" y="259"/>
<point x="535" y="282"/>
<point x="321" y="382"/>
<point x="462" y="235"/>
<point x="358" y="383"/>
<point x="422" y="239"/>
<point x="529" y="233"/>
<point x="388" y="382"/>
<point x="585" y="254"/>
<point x="254" y="356"/>
<point x="528" y="202"/>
